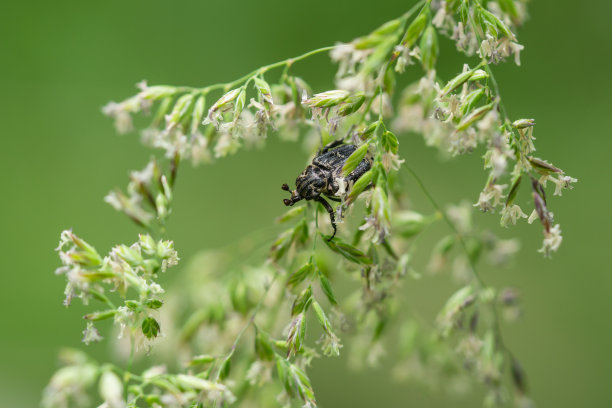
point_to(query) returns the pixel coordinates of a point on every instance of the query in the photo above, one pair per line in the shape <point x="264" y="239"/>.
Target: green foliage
<point x="277" y="302"/>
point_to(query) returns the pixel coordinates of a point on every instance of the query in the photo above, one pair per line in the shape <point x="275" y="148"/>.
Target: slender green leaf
<point x="354" y="159"/>
<point x="349" y="252"/>
<point x="326" y="288"/>
<point x="414" y="30"/>
<point x="263" y="347"/>
<point x="361" y="184"/>
<point x="513" y="191"/>
<point x="300" y="275"/>
<point x="429" y="48"/>
<point x="389" y="142"/>
<point x="302" y="301"/>
<point x="150" y="328"/>
<point x="322" y="318"/>
<point x="474" y="116"/>
<point x="471" y="100"/>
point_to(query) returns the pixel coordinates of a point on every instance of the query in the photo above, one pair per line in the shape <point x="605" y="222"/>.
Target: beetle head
<point x="295" y="196"/>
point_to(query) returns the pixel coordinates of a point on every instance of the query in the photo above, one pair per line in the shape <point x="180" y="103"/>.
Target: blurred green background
<point x="62" y="61"/>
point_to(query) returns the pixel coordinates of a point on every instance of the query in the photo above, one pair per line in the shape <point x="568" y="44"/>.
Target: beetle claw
<point x="332" y="235"/>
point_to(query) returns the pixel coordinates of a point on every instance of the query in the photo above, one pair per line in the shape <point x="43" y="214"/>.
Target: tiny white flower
<point x="463" y="142"/>
<point x="226" y="145"/>
<point x="526" y="138"/>
<point x="497" y="193"/>
<point x="199" y="149"/>
<point x="391" y="161"/>
<point x="503" y="250"/>
<point x="331" y="345"/>
<point x="358" y="82"/>
<point x="532" y="217"/>
<point x="123" y="318"/>
<point x="552" y="241"/>
<point x="259" y="373"/>
<point x="438" y="19"/>
<point x="142" y="85"/>
<point x="91" y="334"/>
<point x="508" y="47"/>
<point x="543" y="179"/>
<point x="562" y="183"/>
<point x="154" y="371"/>
<point x="484" y="202"/>
<point x="400" y="65"/>
<point x="123" y="119"/>
<point x="155" y="288"/>
<point x="342" y="53"/>
<point x="453" y="106"/>
<point x="464" y="41"/>
<point x="498" y="162"/>
<point x="461" y="216"/>
<point x="494" y="193"/>
<point x="458" y="34"/>
<point x="488" y="49"/>
<point x="489" y="122"/>
<point x="111" y="390"/>
<point x="511" y="214"/>
<point x="387" y="108"/>
<point x="69" y="384"/>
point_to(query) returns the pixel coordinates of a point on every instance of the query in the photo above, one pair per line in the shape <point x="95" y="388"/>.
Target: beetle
<point x="323" y="175"/>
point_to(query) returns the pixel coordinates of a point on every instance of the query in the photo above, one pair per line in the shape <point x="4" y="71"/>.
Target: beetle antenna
<point x="294" y="196"/>
<point x="285" y="187"/>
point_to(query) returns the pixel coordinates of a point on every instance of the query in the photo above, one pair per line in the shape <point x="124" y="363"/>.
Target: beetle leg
<point x="332" y="215"/>
<point x="360" y="170"/>
<point x="329" y="146"/>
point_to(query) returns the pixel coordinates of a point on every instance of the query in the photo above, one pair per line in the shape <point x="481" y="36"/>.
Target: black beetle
<point x="323" y="175"/>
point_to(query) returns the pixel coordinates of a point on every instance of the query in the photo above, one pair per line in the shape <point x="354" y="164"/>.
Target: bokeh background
<point x="60" y="62"/>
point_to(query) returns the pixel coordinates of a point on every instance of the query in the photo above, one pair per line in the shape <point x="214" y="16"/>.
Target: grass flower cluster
<point x="237" y="332"/>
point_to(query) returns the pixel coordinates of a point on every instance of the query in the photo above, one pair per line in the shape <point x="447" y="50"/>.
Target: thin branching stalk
<point x="207" y="355"/>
